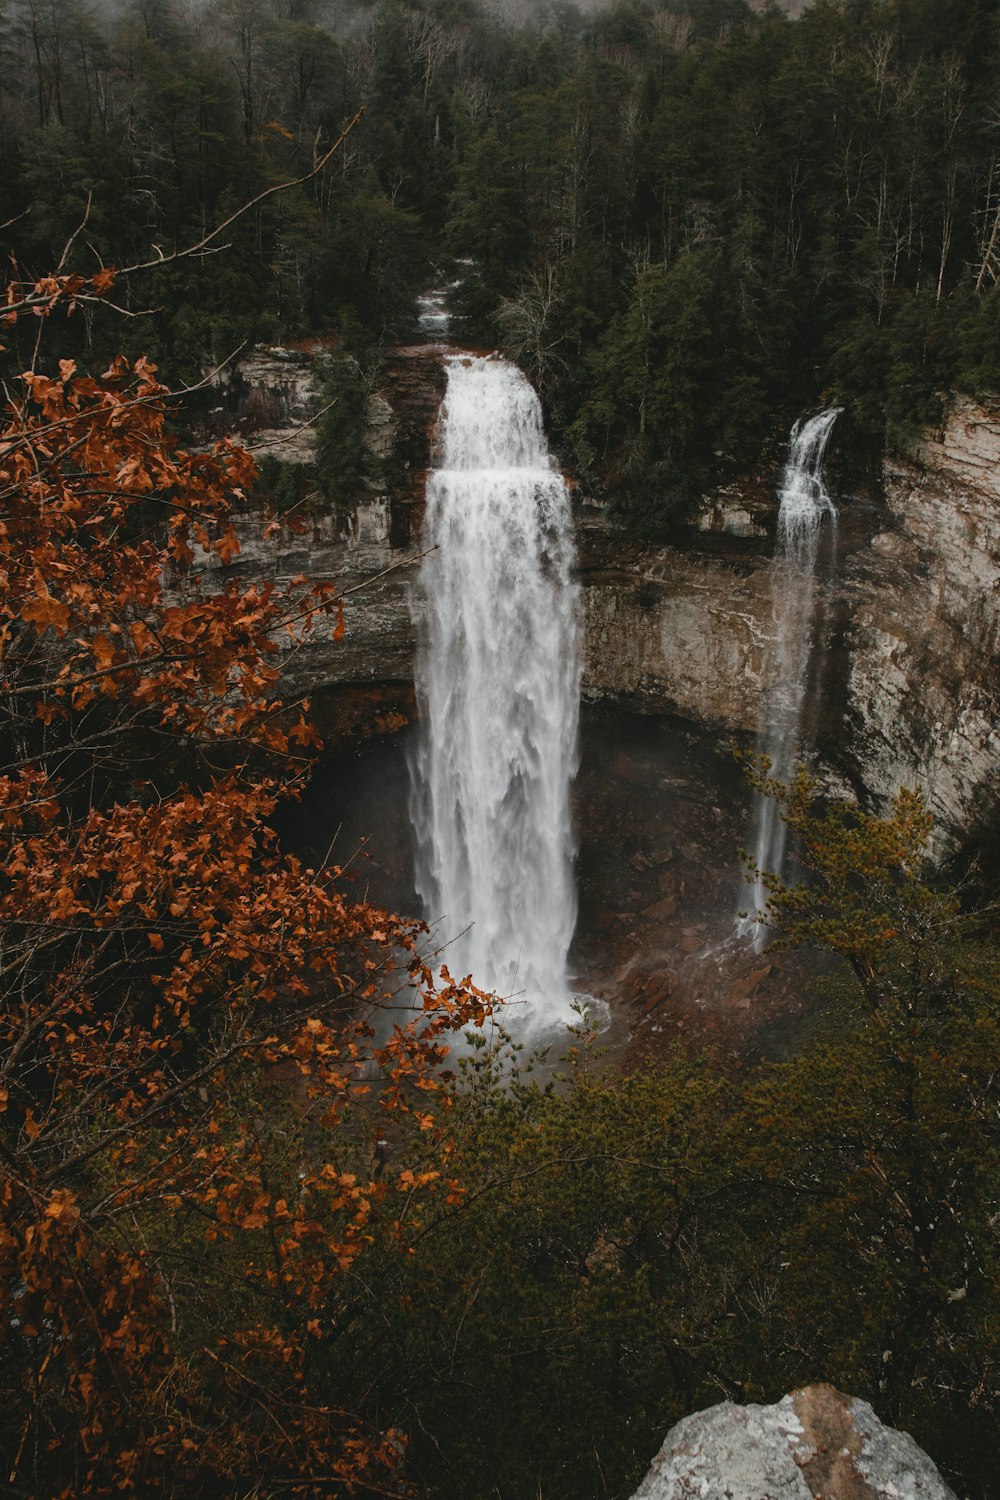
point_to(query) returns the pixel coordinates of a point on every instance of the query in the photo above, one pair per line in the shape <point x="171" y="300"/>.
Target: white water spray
<point x="804" y="504"/>
<point x="498" y="683"/>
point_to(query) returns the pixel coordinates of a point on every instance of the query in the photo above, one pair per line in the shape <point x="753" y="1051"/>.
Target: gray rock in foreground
<point x="816" y="1444"/>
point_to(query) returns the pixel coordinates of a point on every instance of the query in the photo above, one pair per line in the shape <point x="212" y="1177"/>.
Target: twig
<point x="33" y="298"/>
<point x="291" y="432"/>
<point x="280" y="187"/>
<point x="78" y="230"/>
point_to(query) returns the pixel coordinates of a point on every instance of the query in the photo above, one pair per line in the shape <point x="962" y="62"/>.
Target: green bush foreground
<point x="606" y="1254"/>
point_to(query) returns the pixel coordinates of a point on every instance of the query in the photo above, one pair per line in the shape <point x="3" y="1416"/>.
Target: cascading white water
<point x="804" y="504"/>
<point x="433" y="317"/>
<point x="498" y="683"/>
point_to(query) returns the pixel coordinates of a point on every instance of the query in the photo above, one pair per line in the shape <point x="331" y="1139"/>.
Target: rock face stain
<point x="666" y="632"/>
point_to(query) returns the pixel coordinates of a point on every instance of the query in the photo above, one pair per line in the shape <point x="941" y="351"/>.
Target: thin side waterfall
<point x="498" y="684"/>
<point x="804" y="504"/>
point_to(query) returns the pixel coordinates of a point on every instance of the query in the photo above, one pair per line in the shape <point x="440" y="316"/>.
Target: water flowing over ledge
<point x="498" y="684"/>
<point x="804" y="505"/>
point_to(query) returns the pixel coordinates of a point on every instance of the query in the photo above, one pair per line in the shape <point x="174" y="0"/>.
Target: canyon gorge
<point x="903" y="686"/>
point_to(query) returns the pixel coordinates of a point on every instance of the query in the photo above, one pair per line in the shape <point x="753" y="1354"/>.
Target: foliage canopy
<point x="190" y="1084"/>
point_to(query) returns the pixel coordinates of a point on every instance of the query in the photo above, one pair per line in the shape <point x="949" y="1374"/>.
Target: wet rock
<point x="743" y="988"/>
<point x="662" y="910"/>
<point x="729" y="514"/>
<point x="655" y="998"/>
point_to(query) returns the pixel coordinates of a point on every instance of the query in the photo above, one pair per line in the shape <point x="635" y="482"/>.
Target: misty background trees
<point x="687" y="221"/>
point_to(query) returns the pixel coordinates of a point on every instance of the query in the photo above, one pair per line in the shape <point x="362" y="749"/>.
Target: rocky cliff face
<point x="923" y="683"/>
<point x="906" y="680"/>
<point x="269" y="395"/>
<point x="675" y="631"/>
<point x="363" y="681"/>
<point x="813" y="1445"/>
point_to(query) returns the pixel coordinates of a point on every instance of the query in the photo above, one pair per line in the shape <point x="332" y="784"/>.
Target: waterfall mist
<point x="498" y="682"/>
<point x="804" y="503"/>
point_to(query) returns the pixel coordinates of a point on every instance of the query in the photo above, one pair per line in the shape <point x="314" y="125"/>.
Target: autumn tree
<point x="190" y="1082"/>
<point x="868" y="894"/>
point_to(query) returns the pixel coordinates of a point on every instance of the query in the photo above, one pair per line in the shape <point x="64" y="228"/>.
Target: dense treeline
<point x="688" y="221"/>
<point x="168" y="121"/>
<point x="701" y="219"/>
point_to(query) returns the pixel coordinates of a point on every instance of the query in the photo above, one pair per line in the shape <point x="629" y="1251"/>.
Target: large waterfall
<point x="498" y="680"/>
<point x="804" y="504"/>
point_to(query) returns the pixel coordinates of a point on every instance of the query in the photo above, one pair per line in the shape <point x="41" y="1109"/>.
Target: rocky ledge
<point x="816" y="1444"/>
<point x="675" y="629"/>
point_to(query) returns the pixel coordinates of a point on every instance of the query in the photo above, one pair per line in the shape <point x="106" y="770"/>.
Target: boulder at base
<point x="815" y="1444"/>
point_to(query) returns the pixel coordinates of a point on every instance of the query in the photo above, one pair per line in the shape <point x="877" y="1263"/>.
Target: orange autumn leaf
<point x="44" y="611"/>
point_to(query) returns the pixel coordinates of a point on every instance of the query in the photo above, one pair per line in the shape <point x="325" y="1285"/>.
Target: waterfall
<point x="804" y="503"/>
<point x="498" y="680"/>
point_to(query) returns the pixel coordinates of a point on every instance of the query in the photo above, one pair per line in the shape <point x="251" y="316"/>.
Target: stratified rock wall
<point x="906" y="674"/>
<point x="816" y="1444"/>
<point x="667" y="631"/>
<point x="367" y="549"/>
<point x="353" y="550"/>
<point x="923" y="685"/>
<point x="269" y="395"/>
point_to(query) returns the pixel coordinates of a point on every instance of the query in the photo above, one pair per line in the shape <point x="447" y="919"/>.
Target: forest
<point x="261" y="1233"/>
<point x="687" y="222"/>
